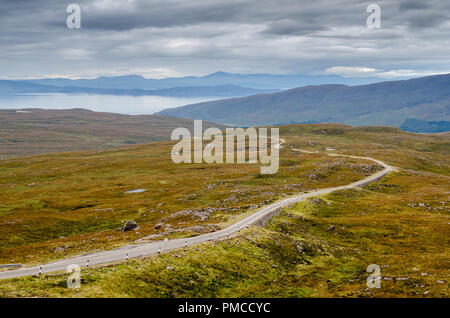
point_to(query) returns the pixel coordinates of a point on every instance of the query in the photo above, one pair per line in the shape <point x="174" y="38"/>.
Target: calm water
<point x="132" y="105"/>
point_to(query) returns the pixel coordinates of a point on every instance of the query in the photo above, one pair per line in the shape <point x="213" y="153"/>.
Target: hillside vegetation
<point x="38" y="131"/>
<point x="73" y="202"/>
<point x="69" y="203"/>
<point x="382" y="104"/>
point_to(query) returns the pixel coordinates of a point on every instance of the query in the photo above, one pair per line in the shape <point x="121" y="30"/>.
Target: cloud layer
<point x="161" y="38"/>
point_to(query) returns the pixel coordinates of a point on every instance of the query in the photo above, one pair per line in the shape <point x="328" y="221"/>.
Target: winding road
<point x="139" y="250"/>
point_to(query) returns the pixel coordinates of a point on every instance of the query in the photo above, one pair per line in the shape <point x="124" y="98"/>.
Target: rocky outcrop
<point x="129" y="226"/>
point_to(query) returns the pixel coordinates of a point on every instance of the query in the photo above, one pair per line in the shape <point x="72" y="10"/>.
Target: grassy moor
<point x="65" y="204"/>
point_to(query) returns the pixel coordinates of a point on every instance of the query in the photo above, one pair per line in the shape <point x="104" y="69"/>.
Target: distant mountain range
<point x="420" y="104"/>
<point x="260" y="81"/>
<point x="26" y="87"/>
<point x="219" y="84"/>
<point x="381" y="104"/>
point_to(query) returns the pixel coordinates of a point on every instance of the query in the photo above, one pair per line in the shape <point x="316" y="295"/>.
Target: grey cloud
<point x="426" y="20"/>
<point x="290" y="27"/>
<point x="198" y="37"/>
<point x="165" y="14"/>
<point x="159" y="14"/>
<point x="414" y="5"/>
<point x="423" y="14"/>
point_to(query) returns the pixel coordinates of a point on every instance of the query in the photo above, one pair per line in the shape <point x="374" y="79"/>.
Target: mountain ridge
<point x="17" y="87"/>
<point x="259" y="81"/>
<point x="382" y="104"/>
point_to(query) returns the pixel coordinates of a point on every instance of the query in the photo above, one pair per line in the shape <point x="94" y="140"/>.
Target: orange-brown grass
<point x="400" y="223"/>
<point x="42" y="131"/>
<point x="296" y="254"/>
<point x="425" y="152"/>
<point x="69" y="203"/>
<point x="320" y="247"/>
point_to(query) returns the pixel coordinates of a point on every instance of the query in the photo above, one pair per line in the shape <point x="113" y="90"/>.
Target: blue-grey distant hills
<point x="260" y="81"/>
<point x="22" y="87"/>
<point x="392" y="103"/>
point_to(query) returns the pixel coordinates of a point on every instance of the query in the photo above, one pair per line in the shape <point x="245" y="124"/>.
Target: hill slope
<point x="58" y="205"/>
<point x="38" y="131"/>
<point x="385" y="103"/>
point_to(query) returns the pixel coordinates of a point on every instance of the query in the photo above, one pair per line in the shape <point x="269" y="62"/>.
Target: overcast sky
<point x="165" y="38"/>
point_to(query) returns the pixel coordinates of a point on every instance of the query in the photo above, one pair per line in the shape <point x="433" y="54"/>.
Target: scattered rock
<point x="130" y="225"/>
<point x="440" y="282"/>
<point x="316" y="201"/>
<point x="208" y="228"/>
<point x="202" y="215"/>
<point x="170" y="268"/>
<point x="312" y="176"/>
<point x="299" y="247"/>
<point x="331" y="228"/>
<point x="159" y="226"/>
